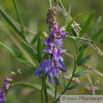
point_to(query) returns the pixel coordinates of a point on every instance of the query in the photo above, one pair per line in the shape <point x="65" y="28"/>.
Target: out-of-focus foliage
<point x="33" y="13"/>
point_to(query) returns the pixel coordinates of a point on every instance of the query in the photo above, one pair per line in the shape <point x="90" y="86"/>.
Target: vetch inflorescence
<point x="54" y="42"/>
<point x="5" y="88"/>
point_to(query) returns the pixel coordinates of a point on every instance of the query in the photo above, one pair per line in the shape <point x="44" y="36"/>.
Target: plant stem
<point x="46" y="95"/>
<point x="69" y="81"/>
<point x="55" y="88"/>
<point x="42" y="89"/>
<point x="19" y="16"/>
<point x="50" y="4"/>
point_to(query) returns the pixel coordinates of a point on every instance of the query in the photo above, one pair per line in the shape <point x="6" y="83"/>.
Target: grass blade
<point x="98" y="34"/>
<point x="8" y="49"/>
<point x="19" y="16"/>
<point x="37" y="36"/>
<point x="11" y="22"/>
<point x="67" y="18"/>
<point x="26" y="63"/>
<point x="70" y="23"/>
<point x="92" y="34"/>
<point x="28" y="49"/>
<point x="100" y="39"/>
<point x="39" y="50"/>
<point x="87" y="24"/>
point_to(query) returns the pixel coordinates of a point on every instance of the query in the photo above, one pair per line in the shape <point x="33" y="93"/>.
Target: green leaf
<point x="87" y="24"/>
<point x="34" y="86"/>
<point x="100" y="39"/>
<point x="19" y="16"/>
<point x="69" y="24"/>
<point x="67" y="18"/>
<point x="81" y="73"/>
<point x="56" y="1"/>
<point x="98" y="34"/>
<point x="92" y="34"/>
<point x="39" y="50"/>
<point x="74" y="32"/>
<point x="80" y="55"/>
<point x="77" y="86"/>
<point x="8" y="49"/>
<point x="13" y="52"/>
<point x="11" y="22"/>
<point x="85" y="45"/>
<point x="28" y="49"/>
<point x="84" y="60"/>
<point x="37" y="36"/>
<point x="21" y="84"/>
<point x="26" y="63"/>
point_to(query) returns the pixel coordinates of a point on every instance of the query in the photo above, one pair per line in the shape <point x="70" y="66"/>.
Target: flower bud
<point x="8" y="80"/>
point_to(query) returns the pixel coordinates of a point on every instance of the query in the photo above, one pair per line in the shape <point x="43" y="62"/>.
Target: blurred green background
<point x="33" y="13"/>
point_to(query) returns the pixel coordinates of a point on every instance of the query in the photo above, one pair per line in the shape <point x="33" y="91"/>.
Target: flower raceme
<point x="54" y="42"/>
<point x="4" y="89"/>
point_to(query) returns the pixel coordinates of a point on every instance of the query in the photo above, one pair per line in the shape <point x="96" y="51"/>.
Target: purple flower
<point x="8" y="80"/>
<point x="55" y="55"/>
<point x="6" y="85"/>
<point x="50" y="77"/>
<point x="47" y="21"/>
<point x="46" y="68"/>
<point x="59" y="42"/>
<point x="2" y="98"/>
<point x="49" y="51"/>
<point x="40" y="69"/>
<point x="61" y="60"/>
<point x="63" y="69"/>
<point x="50" y="29"/>
<point x="4" y="89"/>
<point x="49" y="41"/>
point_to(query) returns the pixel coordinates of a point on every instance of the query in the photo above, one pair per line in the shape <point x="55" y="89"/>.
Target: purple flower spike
<point x="49" y="41"/>
<point x="40" y="69"/>
<point x="50" y="77"/>
<point x="55" y="63"/>
<point x="46" y="68"/>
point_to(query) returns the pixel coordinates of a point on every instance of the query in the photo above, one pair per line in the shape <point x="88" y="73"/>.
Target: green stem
<point x="42" y="89"/>
<point x="69" y="81"/>
<point x="46" y="95"/>
<point x="83" y="39"/>
<point x="55" y="88"/>
<point x="50" y="4"/>
<point x="19" y="16"/>
<point x="76" y="46"/>
<point x="62" y="6"/>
